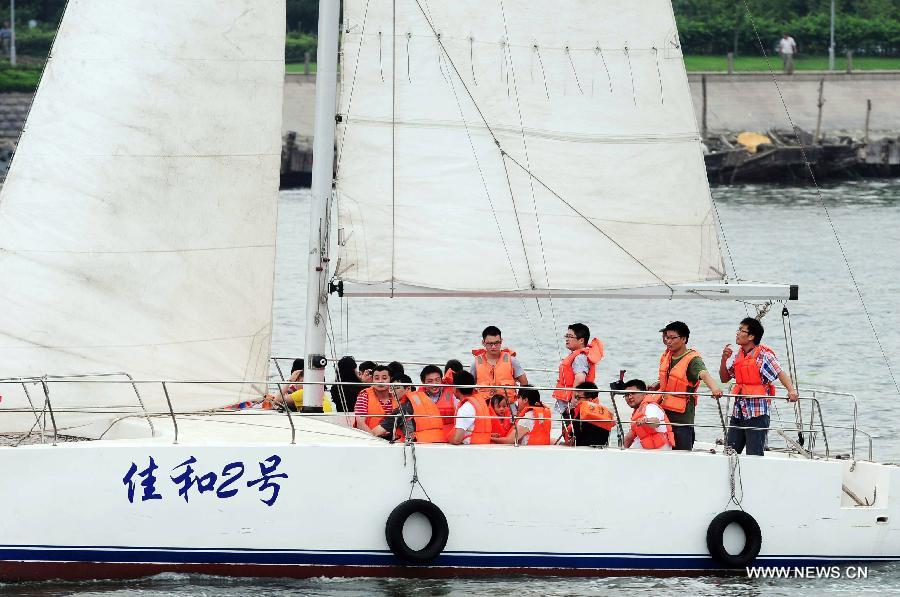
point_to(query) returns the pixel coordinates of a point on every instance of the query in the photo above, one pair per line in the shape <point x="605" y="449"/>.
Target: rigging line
<point x="821" y="201"/>
<point x="380" y="57"/>
<point x="490" y="199"/>
<point x="599" y="52"/>
<point x="353" y="79"/>
<point x="472" y="59"/>
<point x="537" y="50"/>
<point x="574" y="72"/>
<point x="630" y="74"/>
<point x="725" y="241"/>
<point x="662" y="95"/>
<point x="537" y="219"/>
<point x="589" y="221"/>
<point x="394" y="140"/>
<point x="458" y="75"/>
<point x="512" y="198"/>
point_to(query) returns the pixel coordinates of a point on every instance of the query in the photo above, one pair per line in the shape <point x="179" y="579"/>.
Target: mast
<point x="322" y="176"/>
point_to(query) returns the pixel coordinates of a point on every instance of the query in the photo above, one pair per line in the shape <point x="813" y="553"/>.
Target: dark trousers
<point x="684" y="437"/>
<point x="753" y="439"/>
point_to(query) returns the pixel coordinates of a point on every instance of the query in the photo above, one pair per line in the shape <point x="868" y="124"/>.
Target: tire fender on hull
<point x="393" y="532"/>
<point x="715" y="535"/>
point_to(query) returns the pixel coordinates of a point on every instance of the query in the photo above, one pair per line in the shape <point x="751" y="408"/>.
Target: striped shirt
<point x="362" y="404"/>
<point x="747" y="407"/>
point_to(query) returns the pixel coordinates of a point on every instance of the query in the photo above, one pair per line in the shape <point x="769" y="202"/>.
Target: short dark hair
<point x="490" y="330"/>
<point x="680" y="328"/>
<point x="453" y="365"/>
<point x="367" y="366"/>
<point x="404" y="379"/>
<point x="755" y="328"/>
<point x="427" y="369"/>
<point x="581" y="331"/>
<point x="464" y="378"/>
<point x="530" y="394"/>
<point x="396" y="369"/>
<point x="497" y="399"/>
<point x="587" y="386"/>
<point x="297" y="365"/>
<point x="378" y="368"/>
<point x="636" y="383"/>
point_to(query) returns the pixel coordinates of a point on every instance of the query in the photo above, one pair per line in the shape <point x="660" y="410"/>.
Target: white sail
<point x="137" y="222"/>
<point x="602" y="185"/>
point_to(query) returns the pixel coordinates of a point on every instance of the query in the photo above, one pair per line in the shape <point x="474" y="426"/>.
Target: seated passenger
<point x="452" y="367"/>
<point x="416" y="417"/>
<point x="376" y="401"/>
<point x="532" y="425"/>
<point x="500" y="423"/>
<point x="650" y="428"/>
<point x="473" y="423"/>
<point x="345" y="395"/>
<point x="366" y="369"/>
<point x="396" y="369"/>
<point x="443" y="398"/>
<point x="591" y="421"/>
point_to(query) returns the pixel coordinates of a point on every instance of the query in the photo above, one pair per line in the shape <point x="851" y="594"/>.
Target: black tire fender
<point x="393" y="531"/>
<point x="716" y="532"/>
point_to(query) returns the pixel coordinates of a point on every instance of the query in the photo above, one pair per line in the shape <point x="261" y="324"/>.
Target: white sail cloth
<point x="137" y="223"/>
<point x="590" y="97"/>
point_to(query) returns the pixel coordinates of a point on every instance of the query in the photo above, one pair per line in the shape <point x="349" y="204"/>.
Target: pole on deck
<point x="322" y="179"/>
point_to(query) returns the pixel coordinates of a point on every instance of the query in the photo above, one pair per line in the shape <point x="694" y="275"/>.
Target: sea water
<point x="842" y="248"/>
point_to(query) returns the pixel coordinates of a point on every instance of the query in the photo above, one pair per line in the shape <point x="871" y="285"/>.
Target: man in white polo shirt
<point x="787" y="47"/>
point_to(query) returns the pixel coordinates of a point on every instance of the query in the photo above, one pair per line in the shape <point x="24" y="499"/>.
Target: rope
<point x="821" y="202"/>
<point x="792" y="369"/>
<point x="537" y="220"/>
<point x="394" y="139"/>
<point x="353" y="79"/>
<point x="734" y="478"/>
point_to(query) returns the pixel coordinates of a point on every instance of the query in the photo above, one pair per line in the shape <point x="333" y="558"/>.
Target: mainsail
<point x="511" y="147"/>
<point x="137" y="222"/>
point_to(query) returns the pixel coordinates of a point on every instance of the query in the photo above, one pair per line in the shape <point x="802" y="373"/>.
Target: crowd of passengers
<point x="386" y="403"/>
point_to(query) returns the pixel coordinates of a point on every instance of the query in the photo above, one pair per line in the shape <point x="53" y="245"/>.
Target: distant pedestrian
<point x="5" y="37"/>
<point x="787" y="47"/>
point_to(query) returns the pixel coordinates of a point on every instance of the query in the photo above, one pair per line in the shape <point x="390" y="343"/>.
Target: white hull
<point x="550" y="509"/>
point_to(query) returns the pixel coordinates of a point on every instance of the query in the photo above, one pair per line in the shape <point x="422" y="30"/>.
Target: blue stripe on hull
<point x="338" y="558"/>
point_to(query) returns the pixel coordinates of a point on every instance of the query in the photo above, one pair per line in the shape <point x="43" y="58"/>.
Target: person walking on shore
<point x="787" y="47"/>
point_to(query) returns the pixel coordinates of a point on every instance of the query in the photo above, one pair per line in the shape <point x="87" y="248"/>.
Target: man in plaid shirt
<point x="755" y="369"/>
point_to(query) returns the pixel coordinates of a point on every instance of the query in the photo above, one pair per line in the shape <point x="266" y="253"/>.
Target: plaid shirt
<point x="769" y="370"/>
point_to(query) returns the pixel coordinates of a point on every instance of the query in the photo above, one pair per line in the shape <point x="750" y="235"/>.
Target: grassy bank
<point x="758" y="63"/>
<point x="298" y="68"/>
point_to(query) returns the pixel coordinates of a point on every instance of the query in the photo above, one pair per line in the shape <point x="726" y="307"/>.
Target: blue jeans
<point x="753" y="439"/>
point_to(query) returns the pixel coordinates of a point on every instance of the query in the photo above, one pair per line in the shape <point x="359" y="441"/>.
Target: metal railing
<point x="810" y="431"/>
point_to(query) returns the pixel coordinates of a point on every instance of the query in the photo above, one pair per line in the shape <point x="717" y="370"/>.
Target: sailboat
<point x="137" y="226"/>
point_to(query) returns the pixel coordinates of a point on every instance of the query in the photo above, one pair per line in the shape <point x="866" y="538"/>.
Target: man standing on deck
<point x="495" y="365"/>
<point x="787" y="47"/>
<point x="578" y="367"/>
<point x="754" y="369"/>
<point x="680" y="371"/>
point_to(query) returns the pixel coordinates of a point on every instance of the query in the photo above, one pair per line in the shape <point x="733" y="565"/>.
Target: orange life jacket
<point x="374" y="409"/>
<point x="429" y="424"/>
<point x="446" y="405"/>
<point x="540" y="432"/>
<point x="448" y="377"/>
<point x="650" y="438"/>
<point x="595" y="414"/>
<point x="748" y="381"/>
<point x="481" y="431"/>
<point x="676" y="380"/>
<point x="566" y="377"/>
<point x="500" y="425"/>
<point x="498" y="374"/>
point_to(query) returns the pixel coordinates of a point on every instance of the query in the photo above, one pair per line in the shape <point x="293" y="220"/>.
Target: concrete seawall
<point x="751" y="101"/>
<point x="738" y="102"/>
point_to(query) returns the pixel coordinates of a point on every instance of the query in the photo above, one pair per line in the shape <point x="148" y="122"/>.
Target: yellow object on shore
<point x="752" y="141"/>
<point x="327" y="404"/>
